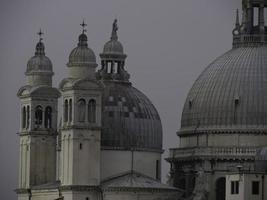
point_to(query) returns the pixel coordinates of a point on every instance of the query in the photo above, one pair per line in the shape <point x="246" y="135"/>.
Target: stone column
<point x="250" y="18"/>
<point x="86" y="111"/>
<point x="112" y="67"/>
<point x="261" y="19"/>
<point x="43" y="118"/>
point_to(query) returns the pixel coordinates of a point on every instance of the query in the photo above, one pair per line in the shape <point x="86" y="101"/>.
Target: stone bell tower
<point x="80" y="131"/>
<point x="38" y="130"/>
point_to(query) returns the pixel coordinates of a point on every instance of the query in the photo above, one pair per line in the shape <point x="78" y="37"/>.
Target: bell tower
<point x="38" y="129"/>
<point x="81" y="126"/>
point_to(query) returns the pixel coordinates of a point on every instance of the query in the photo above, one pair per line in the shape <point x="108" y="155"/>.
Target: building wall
<point x="115" y="162"/>
<point x="46" y="194"/>
<point x="37" y="160"/>
<point x="245" y="186"/>
<point x="81" y="195"/>
<point x="80" y="157"/>
<point x="23" y="196"/>
<point x="213" y="169"/>
<point x="141" y="195"/>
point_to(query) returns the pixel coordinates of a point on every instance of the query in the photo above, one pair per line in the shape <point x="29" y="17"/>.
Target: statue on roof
<point x="115" y="28"/>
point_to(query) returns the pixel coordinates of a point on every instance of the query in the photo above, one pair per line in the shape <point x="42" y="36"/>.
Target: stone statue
<point x="115" y="28"/>
<point x="201" y="187"/>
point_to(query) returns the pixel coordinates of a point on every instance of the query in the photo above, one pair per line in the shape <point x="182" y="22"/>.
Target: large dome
<point x="129" y="119"/>
<point x="230" y="94"/>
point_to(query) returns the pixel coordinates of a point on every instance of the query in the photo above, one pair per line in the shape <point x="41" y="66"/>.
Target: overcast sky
<point x="168" y="44"/>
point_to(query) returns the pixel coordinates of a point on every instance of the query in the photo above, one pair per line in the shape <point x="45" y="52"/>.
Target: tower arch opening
<point x="81" y="110"/>
<point x="48" y="117"/>
<point x="92" y="111"/>
<point x="38" y="116"/>
<point x="24" y="117"/>
<point x="66" y="108"/>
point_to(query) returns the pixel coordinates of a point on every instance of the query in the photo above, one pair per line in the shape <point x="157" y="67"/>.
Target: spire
<point x="114" y="35"/>
<point x="83" y="37"/>
<point x="40" y="48"/>
<point x="236" y="30"/>
<point x="237" y="24"/>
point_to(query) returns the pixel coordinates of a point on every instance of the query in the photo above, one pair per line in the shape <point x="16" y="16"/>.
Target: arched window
<point x="92" y="111"/>
<point x="28" y="117"/>
<point x="48" y="117"/>
<point x="24" y="117"/>
<point x="81" y="110"/>
<point x="70" y="110"/>
<point x="66" y="110"/>
<point x="38" y="115"/>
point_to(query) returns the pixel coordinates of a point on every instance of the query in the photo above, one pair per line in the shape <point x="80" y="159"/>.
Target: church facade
<point x="224" y="120"/>
<point x="108" y="143"/>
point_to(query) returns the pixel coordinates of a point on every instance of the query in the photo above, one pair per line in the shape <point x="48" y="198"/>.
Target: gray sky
<point x="168" y="44"/>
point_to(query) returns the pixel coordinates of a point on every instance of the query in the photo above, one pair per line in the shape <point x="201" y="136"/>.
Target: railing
<point x="212" y="151"/>
<point x="249" y="40"/>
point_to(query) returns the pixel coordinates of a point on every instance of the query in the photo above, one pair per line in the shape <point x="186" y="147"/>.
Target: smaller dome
<point x="82" y="54"/>
<point x="113" y="46"/>
<point x="39" y="62"/>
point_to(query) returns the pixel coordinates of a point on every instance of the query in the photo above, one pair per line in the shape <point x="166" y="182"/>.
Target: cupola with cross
<point x="39" y="68"/>
<point x="82" y="60"/>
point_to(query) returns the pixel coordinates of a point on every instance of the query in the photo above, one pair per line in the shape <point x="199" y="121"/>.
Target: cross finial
<point x="40" y="33"/>
<point x="83" y="25"/>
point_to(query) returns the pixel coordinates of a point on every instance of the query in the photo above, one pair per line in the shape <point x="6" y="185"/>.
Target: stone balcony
<point x="249" y="40"/>
<point x="212" y="153"/>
